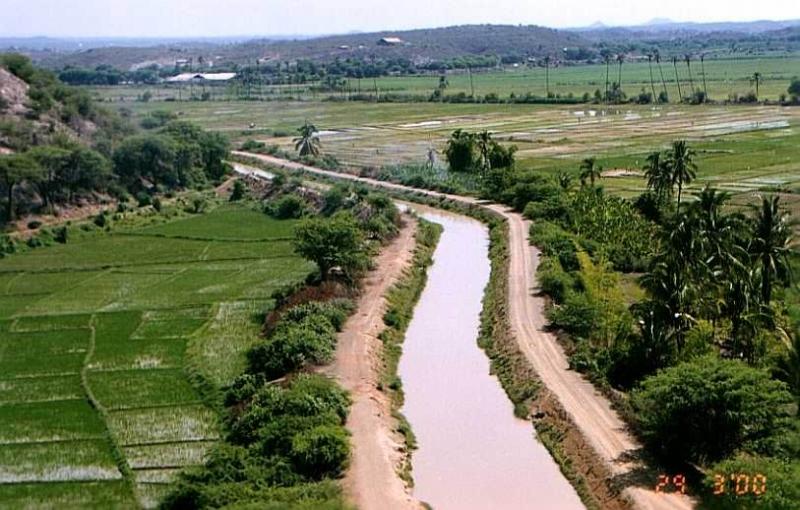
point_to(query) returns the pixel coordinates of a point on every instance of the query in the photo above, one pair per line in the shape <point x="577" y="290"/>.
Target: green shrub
<point x="577" y="316"/>
<point x="101" y="220"/>
<point x="289" y="206"/>
<point x="292" y="346"/>
<point x="554" y="241"/>
<point x="553" y="280"/>
<point x="321" y="452"/>
<point x="706" y="409"/>
<point x="335" y="311"/>
<point x="61" y="235"/>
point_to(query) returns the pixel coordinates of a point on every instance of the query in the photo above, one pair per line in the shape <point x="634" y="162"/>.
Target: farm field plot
<point x="721" y="77"/>
<point x="112" y="347"/>
<point x="741" y="149"/>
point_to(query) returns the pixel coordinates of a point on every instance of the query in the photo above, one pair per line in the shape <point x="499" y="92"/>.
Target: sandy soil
<point x="371" y="482"/>
<point x="589" y="410"/>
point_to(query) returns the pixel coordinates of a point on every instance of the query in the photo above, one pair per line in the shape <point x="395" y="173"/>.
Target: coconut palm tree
<point x="658" y="175"/>
<point x="652" y="84"/>
<point x="703" y="70"/>
<point x="620" y="61"/>
<point x="788" y="369"/>
<point x="683" y="169"/>
<point x="607" y="58"/>
<point x="565" y="181"/>
<point x="757" y="79"/>
<point x="661" y="72"/>
<point x="677" y="78"/>
<point x="771" y="245"/>
<point x="688" y="59"/>
<point x="590" y="170"/>
<point x="484" y="144"/>
<point x="307" y="144"/>
<point x="547" y="75"/>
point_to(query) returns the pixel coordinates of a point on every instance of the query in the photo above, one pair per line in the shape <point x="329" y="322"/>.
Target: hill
<point x="424" y="45"/>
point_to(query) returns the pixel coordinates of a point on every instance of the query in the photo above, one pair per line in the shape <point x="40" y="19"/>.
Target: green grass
<point x="145" y="322"/>
<point x="57" y="496"/>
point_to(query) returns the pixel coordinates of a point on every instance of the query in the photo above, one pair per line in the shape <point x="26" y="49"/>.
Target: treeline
<point x="285" y="443"/>
<point x="678" y="306"/>
<point x="109" y="75"/>
<point x="48" y="170"/>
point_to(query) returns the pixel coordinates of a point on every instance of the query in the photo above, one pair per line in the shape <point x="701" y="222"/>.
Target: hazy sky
<point x="265" y="17"/>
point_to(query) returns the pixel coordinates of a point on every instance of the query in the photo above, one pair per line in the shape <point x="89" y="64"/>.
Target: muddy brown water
<point x="472" y="452"/>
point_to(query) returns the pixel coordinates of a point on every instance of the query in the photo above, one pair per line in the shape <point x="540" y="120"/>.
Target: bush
<point x="292" y="346"/>
<point x="335" y="311"/>
<point x="321" y="452"/>
<point x="61" y="235"/>
<point x="239" y="191"/>
<point x="157" y="205"/>
<point x="289" y="206"/>
<point x="577" y="316"/>
<point x="144" y="199"/>
<point x="555" y="242"/>
<point x="553" y="280"/>
<point x="706" y="409"/>
<point x="33" y="225"/>
<point x="101" y="220"/>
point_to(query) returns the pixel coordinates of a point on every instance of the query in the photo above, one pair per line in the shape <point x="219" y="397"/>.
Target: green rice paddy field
<point x="114" y="346"/>
<point x="742" y="149"/>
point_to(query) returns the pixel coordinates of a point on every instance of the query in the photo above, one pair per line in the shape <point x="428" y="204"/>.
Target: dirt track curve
<point x="590" y="411"/>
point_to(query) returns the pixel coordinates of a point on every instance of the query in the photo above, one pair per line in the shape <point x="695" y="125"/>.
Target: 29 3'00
<point x="735" y="483"/>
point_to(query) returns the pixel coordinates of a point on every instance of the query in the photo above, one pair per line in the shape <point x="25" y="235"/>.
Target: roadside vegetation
<point x="674" y="305"/>
<point x="283" y="442"/>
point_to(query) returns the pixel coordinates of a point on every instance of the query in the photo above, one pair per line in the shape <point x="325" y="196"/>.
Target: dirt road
<point x="372" y="482"/>
<point x="590" y="411"/>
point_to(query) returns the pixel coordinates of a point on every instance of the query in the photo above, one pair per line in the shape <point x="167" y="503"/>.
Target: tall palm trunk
<point x="703" y="70"/>
<point x="677" y="78"/>
<point x="608" y="61"/>
<point x="661" y="72"/>
<point x="689" y="67"/>
<point x="652" y="85"/>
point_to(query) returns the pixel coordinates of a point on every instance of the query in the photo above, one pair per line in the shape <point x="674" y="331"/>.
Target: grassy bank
<point x="402" y="300"/>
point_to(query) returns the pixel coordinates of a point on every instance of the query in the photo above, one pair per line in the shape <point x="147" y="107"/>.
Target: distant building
<point x="201" y="77"/>
<point x="344" y="47"/>
<point x="389" y="41"/>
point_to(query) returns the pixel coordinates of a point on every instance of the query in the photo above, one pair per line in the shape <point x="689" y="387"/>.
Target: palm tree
<point x="788" y="369"/>
<point x="590" y="170"/>
<point x="757" y="79"/>
<point x="307" y="144"/>
<point x="659" y="178"/>
<point x="607" y="58"/>
<point x="652" y="84"/>
<point x="771" y="245"/>
<point x="547" y="75"/>
<point x="661" y="72"/>
<point x="688" y="59"/>
<point x="677" y="78"/>
<point x="682" y="166"/>
<point x="565" y="181"/>
<point x="703" y="70"/>
<point x="484" y="144"/>
<point x="620" y="60"/>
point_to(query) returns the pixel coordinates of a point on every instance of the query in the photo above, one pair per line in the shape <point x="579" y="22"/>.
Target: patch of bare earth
<point x="372" y="481"/>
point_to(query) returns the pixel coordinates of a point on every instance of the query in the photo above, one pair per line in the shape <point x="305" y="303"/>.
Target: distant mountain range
<point x="661" y="26"/>
<point x="513" y="43"/>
